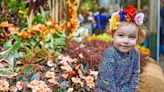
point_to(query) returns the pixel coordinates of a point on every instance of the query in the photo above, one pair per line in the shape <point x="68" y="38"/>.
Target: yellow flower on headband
<point x="114" y="22"/>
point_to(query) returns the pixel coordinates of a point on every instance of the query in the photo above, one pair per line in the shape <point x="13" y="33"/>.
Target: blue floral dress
<point x="118" y="72"/>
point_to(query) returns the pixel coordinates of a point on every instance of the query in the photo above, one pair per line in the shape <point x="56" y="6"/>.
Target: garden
<point x="44" y="49"/>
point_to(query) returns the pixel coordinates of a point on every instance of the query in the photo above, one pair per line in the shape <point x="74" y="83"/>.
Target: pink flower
<point x="89" y="81"/>
<point x="50" y="74"/>
<point x="67" y="68"/>
<point x="81" y="55"/>
<point x="60" y="56"/>
<point x="139" y="18"/>
<point x="38" y="86"/>
<point x="4" y="85"/>
<point x="53" y="81"/>
<point x="65" y="75"/>
<point x="20" y="85"/>
<point x="77" y="80"/>
<point x="13" y="89"/>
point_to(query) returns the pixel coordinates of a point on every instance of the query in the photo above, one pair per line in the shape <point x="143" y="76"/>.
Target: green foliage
<point x="55" y="42"/>
<point x="14" y="11"/>
<point x="38" y="19"/>
<point x="7" y="44"/>
<point x="5" y="72"/>
<point x="88" y="6"/>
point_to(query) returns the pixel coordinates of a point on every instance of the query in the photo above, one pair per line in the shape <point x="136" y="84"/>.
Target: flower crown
<point x="128" y="14"/>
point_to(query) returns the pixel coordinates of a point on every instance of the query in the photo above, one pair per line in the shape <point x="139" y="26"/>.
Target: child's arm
<point x="106" y="78"/>
<point x="136" y="71"/>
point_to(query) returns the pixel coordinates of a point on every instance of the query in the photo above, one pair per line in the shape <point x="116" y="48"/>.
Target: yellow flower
<point x="114" y="22"/>
<point x="94" y="37"/>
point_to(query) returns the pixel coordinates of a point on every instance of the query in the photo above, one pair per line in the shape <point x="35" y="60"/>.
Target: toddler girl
<point x="120" y="67"/>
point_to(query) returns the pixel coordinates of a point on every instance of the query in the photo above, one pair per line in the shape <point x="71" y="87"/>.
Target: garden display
<point x="40" y="50"/>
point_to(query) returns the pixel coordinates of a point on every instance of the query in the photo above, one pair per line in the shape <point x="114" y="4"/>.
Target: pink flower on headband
<point x="139" y="18"/>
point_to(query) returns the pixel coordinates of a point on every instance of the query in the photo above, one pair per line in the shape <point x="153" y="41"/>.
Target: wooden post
<point x="139" y="5"/>
<point x="154" y="22"/>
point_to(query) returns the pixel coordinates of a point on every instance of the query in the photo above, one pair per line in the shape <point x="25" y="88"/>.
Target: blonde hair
<point x="141" y="32"/>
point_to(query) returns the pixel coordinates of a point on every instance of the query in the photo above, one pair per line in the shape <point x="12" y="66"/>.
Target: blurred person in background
<point x="101" y="20"/>
<point x="162" y="30"/>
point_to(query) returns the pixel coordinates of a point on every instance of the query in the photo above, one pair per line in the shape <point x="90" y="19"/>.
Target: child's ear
<point x="141" y="36"/>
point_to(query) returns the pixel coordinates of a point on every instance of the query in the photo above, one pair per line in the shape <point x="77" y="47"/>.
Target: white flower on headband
<point x="139" y="18"/>
<point x="115" y="13"/>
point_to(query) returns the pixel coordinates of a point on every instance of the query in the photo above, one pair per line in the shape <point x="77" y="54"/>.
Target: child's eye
<point x="132" y="37"/>
<point x="120" y="35"/>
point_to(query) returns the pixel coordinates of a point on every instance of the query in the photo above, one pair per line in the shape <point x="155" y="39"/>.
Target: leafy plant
<point x="90" y="51"/>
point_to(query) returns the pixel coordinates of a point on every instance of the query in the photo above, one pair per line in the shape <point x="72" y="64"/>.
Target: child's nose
<point x="126" y="40"/>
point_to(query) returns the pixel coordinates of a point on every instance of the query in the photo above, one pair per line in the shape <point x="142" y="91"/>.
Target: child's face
<point x="125" y="38"/>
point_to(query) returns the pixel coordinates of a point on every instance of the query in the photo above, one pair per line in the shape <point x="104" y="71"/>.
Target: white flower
<point x="94" y="73"/>
<point x="81" y="55"/>
<point x="115" y="13"/>
<point x="139" y="18"/>
<point x="50" y="63"/>
<point x="70" y="90"/>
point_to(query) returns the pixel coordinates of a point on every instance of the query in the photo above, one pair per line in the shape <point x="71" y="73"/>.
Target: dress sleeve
<point x="106" y="78"/>
<point x="136" y="72"/>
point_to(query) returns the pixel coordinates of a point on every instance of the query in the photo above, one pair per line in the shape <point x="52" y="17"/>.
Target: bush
<point x="87" y="52"/>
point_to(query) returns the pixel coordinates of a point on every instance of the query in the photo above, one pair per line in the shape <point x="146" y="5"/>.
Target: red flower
<point x="130" y="11"/>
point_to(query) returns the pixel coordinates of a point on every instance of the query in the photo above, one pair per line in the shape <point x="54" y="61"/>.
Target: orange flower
<point x="38" y="28"/>
<point x="6" y="24"/>
<point x="23" y="34"/>
<point x="64" y="26"/>
<point x="13" y="30"/>
<point x="51" y="22"/>
<point x="144" y="51"/>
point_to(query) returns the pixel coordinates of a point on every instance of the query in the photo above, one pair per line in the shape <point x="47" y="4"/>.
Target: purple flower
<point x="122" y="16"/>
